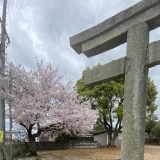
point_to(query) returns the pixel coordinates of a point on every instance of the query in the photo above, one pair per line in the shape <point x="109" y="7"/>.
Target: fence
<point x="78" y="143"/>
<point x="152" y="141"/>
<point x="63" y="145"/>
<point x="75" y="139"/>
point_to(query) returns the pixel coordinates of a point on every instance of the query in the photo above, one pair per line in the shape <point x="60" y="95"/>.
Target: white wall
<point x="118" y="140"/>
<point x="101" y="138"/>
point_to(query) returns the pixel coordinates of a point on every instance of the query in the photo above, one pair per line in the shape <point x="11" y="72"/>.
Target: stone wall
<point x="72" y="145"/>
<point x="152" y="141"/>
<point x="67" y="145"/>
<point x="17" y="149"/>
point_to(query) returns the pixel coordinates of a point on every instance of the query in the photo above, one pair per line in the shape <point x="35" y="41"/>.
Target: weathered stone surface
<point x="110" y="71"/>
<point x="132" y="25"/>
<point x="116" y="69"/>
<point x="135" y="93"/>
<point x="154" y="54"/>
<point x="113" y="31"/>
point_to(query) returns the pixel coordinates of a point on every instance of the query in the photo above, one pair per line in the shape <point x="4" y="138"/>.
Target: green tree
<point x="64" y="137"/>
<point x="151" y="121"/>
<point x="155" y="132"/>
<point x="151" y="118"/>
<point x="108" y="99"/>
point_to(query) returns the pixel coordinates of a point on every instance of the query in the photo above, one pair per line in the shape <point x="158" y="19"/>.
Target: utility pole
<point x="10" y="112"/>
<point x="2" y="67"/>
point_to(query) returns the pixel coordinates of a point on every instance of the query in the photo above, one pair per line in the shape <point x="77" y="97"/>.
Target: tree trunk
<point x="113" y="141"/>
<point x="109" y="138"/>
<point x="32" y="150"/>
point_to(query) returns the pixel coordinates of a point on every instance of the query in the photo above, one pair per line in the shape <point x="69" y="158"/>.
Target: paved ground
<point x="151" y="153"/>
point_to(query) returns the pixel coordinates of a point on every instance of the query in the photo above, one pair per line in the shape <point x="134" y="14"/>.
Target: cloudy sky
<point x="41" y="29"/>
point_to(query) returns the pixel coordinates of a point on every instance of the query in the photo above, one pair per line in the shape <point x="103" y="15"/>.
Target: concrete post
<point x="2" y="67"/>
<point x="136" y="73"/>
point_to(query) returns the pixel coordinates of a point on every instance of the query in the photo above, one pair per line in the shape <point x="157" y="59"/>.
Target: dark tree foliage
<point x="155" y="131"/>
<point x="108" y="99"/>
<point x="64" y="137"/>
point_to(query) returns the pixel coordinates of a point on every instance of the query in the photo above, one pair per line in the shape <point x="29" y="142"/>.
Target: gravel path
<point x="151" y="153"/>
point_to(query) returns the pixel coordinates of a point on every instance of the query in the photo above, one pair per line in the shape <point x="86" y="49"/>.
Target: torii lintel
<point x="116" y="68"/>
<point x="113" y="31"/>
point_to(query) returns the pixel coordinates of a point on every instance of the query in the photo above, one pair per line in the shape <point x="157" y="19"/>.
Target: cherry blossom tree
<point x="42" y="103"/>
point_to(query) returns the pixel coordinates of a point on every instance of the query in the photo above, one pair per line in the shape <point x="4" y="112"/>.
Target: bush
<point x="64" y="137"/>
<point x="155" y="132"/>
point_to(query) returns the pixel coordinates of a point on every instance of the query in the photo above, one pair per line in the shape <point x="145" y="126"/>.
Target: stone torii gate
<point x="132" y="26"/>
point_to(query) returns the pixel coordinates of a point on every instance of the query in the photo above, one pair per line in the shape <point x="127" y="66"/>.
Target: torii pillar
<point x="132" y="26"/>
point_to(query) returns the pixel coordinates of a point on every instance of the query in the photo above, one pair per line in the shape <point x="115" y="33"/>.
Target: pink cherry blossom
<point x="41" y="102"/>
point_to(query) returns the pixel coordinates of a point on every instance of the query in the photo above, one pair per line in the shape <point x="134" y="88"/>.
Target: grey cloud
<point x="41" y="28"/>
<point x="24" y="50"/>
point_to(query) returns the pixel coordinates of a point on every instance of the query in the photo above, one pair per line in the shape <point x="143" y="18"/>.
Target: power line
<point x="11" y="34"/>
